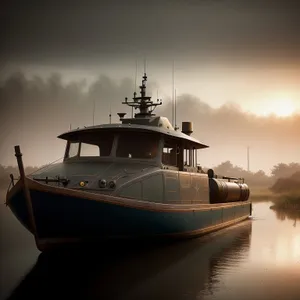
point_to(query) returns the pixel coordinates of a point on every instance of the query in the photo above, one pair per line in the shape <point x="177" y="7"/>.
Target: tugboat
<point x="137" y="180"/>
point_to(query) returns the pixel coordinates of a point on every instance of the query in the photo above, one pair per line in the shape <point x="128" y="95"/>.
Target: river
<point x="256" y="259"/>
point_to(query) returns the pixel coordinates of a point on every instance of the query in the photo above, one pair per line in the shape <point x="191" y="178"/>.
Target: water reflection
<point x="257" y="259"/>
<point x="283" y="214"/>
<point x="177" y="271"/>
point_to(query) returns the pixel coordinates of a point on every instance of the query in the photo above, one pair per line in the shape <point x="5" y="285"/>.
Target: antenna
<point x="136" y="68"/>
<point x="175" y="111"/>
<point x="173" y="96"/>
<point x="94" y="104"/>
<point x="110" y="112"/>
<point x="145" y="65"/>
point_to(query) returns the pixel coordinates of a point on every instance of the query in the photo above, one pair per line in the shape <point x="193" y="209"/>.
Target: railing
<point x="58" y="180"/>
<point x="231" y="178"/>
<point x="211" y="174"/>
<point x="13" y="180"/>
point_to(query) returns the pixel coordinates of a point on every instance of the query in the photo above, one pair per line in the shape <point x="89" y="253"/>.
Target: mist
<point x="34" y="111"/>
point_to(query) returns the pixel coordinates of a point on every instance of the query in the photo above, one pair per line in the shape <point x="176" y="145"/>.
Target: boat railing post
<point x="18" y="155"/>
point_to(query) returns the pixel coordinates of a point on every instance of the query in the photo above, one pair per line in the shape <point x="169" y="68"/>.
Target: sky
<point x="245" y="53"/>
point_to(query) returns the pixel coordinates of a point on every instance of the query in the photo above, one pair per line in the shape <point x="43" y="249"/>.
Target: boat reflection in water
<point x="181" y="270"/>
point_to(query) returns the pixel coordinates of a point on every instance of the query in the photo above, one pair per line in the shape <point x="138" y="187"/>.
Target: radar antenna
<point x="143" y="103"/>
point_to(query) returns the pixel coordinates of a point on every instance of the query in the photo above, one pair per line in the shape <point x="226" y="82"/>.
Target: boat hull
<point x="62" y="216"/>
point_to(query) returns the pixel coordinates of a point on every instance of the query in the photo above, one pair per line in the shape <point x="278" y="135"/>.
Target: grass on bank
<point x="288" y="201"/>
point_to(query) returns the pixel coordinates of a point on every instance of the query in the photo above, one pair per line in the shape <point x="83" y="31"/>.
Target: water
<point x="256" y="259"/>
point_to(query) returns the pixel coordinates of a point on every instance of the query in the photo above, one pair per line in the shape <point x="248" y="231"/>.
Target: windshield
<point x="99" y="145"/>
<point x="138" y="145"/>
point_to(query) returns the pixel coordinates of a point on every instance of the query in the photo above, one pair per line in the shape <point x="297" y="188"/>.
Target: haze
<point x="236" y="62"/>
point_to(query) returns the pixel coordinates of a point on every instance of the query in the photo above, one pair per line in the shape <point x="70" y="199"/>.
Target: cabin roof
<point x="74" y="134"/>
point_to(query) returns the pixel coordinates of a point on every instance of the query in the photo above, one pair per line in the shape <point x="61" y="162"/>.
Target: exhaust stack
<point x="187" y="128"/>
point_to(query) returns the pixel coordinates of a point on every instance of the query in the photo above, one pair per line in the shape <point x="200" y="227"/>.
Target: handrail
<point x="64" y="181"/>
<point x="211" y="174"/>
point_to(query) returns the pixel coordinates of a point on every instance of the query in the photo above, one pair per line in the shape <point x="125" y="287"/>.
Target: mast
<point x="173" y="96"/>
<point x="94" y="104"/>
<point x="143" y="103"/>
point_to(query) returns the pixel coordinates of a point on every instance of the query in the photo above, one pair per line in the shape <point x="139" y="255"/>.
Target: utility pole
<point x="248" y="159"/>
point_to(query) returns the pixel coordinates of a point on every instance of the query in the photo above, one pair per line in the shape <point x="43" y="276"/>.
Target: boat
<point x="134" y="180"/>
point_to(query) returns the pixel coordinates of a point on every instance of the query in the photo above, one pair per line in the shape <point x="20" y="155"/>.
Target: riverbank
<point x="283" y="201"/>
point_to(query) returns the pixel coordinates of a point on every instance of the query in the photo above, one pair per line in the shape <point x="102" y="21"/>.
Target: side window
<point x="170" y="153"/>
<point x="186" y="157"/>
<point x="190" y="157"/>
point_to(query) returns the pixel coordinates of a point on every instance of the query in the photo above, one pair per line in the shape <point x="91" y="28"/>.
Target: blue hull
<point x="60" y="217"/>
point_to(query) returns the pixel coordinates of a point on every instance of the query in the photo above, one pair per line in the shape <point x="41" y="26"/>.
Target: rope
<point x="46" y="166"/>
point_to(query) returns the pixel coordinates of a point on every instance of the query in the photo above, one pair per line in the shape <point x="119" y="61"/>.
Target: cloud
<point x="35" y="110"/>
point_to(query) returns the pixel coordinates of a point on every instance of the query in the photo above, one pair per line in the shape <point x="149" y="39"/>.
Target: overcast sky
<point x="247" y="52"/>
<point x="230" y="50"/>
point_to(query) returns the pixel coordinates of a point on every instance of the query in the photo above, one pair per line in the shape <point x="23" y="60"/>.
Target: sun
<point x="279" y="107"/>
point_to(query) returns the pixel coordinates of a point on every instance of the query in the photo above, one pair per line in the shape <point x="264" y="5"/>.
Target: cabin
<point x="156" y="143"/>
<point x="169" y="157"/>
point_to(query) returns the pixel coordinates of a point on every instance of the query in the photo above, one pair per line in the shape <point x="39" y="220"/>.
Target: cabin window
<point x="187" y="157"/>
<point x="170" y="153"/>
<point x="137" y="145"/>
<point x="190" y="157"/>
<point x="89" y="150"/>
<point x="99" y="145"/>
<point x="91" y="145"/>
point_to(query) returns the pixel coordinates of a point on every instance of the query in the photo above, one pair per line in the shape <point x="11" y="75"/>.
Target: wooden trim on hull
<point x="127" y="202"/>
<point x="50" y="243"/>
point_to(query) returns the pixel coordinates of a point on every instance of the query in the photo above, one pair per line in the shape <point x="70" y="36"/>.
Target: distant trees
<point x="285" y="170"/>
<point x="258" y="178"/>
<point x="287" y="184"/>
<point x="283" y="177"/>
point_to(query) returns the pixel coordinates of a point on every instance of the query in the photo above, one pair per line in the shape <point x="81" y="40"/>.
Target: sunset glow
<point x="279" y="107"/>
